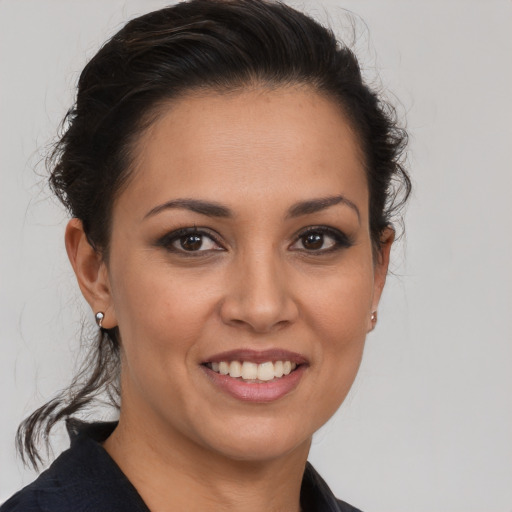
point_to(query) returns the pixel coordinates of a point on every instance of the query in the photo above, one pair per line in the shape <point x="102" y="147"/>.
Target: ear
<point x="91" y="272"/>
<point x="380" y="271"/>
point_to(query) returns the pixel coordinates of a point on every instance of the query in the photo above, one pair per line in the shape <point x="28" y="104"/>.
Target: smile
<point x="256" y="376"/>
<point x="253" y="372"/>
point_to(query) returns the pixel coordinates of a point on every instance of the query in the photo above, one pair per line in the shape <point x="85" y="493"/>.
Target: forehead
<point x="280" y="144"/>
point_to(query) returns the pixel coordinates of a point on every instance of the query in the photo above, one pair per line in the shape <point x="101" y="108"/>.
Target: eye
<point x="190" y="240"/>
<point x="321" y="239"/>
<point x="194" y="242"/>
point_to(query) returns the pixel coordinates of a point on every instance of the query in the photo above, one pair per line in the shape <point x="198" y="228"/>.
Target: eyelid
<point x="343" y="241"/>
<point x="169" y="238"/>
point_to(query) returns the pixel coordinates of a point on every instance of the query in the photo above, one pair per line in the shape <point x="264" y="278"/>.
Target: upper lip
<point x="257" y="356"/>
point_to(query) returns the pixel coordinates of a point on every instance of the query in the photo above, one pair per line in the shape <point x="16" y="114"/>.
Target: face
<point x="241" y="273"/>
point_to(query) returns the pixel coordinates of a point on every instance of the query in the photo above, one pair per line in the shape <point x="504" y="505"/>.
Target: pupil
<point x="314" y="241"/>
<point x="191" y="242"/>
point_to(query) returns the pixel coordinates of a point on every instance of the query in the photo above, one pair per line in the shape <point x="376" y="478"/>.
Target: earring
<point x="373" y="318"/>
<point x="99" y="319"/>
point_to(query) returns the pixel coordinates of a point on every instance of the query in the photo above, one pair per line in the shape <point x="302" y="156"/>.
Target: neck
<point x="171" y="472"/>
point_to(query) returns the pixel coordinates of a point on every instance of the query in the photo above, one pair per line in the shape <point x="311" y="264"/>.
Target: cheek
<point x="338" y="316"/>
<point x="157" y="309"/>
<point x="340" y="302"/>
<point x="160" y="319"/>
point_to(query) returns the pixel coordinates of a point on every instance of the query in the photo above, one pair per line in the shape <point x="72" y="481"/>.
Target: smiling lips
<point x="253" y="372"/>
<point x="256" y="376"/>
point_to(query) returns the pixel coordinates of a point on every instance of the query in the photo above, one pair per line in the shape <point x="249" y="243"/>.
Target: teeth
<point x="266" y="371"/>
<point x="251" y="371"/>
<point x="278" y="369"/>
<point x="235" y="369"/>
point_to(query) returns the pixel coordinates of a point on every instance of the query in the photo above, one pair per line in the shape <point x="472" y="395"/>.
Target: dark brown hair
<point x="219" y="45"/>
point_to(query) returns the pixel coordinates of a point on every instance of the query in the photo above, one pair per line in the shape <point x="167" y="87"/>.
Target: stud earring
<point x="99" y="319"/>
<point x="373" y="318"/>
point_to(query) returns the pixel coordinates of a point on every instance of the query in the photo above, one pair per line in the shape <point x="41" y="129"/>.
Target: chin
<point x="261" y="450"/>
<point x="258" y="442"/>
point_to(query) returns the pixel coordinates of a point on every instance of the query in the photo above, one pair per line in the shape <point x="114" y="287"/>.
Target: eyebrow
<point x="322" y="203"/>
<point x="212" y="209"/>
<point x="208" y="208"/>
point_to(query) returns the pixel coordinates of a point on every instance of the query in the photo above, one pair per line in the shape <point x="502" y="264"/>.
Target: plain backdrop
<point x="427" y="426"/>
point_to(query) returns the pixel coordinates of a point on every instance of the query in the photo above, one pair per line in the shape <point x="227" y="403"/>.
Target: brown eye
<point x="191" y="242"/>
<point x="321" y="240"/>
<point x="313" y="241"/>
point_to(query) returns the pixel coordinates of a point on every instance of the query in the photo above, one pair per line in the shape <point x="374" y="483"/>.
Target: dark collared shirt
<point x="86" y="479"/>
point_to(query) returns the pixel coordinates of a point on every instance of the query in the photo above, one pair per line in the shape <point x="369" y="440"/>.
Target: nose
<point x="259" y="295"/>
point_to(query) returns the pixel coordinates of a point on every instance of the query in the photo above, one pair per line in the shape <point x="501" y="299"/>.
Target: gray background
<point x="428" y="424"/>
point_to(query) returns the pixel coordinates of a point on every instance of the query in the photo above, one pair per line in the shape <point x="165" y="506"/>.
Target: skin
<point x="181" y="440"/>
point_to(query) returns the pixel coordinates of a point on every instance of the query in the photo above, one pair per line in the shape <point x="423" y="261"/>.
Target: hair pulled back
<point x="197" y="45"/>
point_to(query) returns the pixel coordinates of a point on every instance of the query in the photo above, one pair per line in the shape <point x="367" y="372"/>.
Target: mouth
<point x="249" y="371"/>
<point x="259" y="376"/>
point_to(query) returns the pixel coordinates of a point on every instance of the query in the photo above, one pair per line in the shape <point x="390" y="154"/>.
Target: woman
<point x="230" y="181"/>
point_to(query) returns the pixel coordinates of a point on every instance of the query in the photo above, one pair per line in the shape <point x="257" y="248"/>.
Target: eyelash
<point x="169" y="239"/>
<point x="341" y="240"/>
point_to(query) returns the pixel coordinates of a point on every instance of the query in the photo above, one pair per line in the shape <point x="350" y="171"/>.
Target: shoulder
<point x="22" y="501"/>
<point x="316" y="495"/>
<point x="82" y="479"/>
<point x="37" y="497"/>
<point x="345" y="507"/>
<point x="55" y="490"/>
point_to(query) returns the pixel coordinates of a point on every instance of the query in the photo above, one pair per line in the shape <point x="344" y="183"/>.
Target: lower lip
<point x="256" y="391"/>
